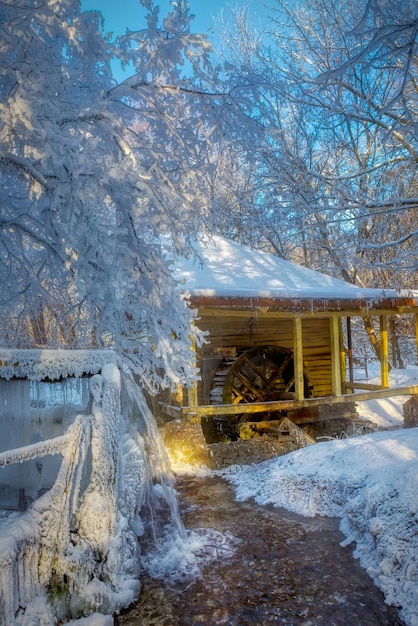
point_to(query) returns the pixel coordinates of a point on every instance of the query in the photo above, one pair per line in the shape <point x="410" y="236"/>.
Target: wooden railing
<point x="281" y="405"/>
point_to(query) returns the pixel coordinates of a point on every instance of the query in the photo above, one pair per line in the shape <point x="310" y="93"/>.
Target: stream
<point x="286" y="569"/>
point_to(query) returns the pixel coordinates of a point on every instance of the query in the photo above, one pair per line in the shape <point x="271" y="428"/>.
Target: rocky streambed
<point x="285" y="569"/>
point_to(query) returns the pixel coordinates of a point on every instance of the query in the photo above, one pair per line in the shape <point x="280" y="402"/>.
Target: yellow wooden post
<point x="192" y="389"/>
<point x="335" y="357"/>
<point x="384" y="351"/>
<point x="298" y="359"/>
<point x="416" y="336"/>
<point x="342" y="354"/>
<point x="178" y="395"/>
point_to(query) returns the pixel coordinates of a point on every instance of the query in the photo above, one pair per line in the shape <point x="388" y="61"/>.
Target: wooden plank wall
<point x="244" y="332"/>
<point x="317" y="354"/>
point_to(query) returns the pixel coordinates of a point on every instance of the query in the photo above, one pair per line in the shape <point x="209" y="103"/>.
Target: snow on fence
<point x="74" y="551"/>
<point x="52" y="364"/>
<point x="29" y="545"/>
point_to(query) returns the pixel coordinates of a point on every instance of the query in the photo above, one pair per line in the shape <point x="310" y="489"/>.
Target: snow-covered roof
<point x="227" y="269"/>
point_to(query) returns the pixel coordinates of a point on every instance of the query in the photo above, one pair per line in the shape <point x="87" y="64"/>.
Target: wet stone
<point x="286" y="570"/>
<point x="410" y="412"/>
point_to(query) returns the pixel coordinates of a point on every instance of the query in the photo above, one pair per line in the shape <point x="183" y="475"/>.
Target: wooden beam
<point x="260" y="312"/>
<point x="367" y="386"/>
<point x="298" y="359"/>
<point x="335" y="357"/>
<point x="280" y="405"/>
<point x="296" y="305"/>
<point x="192" y="390"/>
<point x="384" y="351"/>
<point x="172" y="411"/>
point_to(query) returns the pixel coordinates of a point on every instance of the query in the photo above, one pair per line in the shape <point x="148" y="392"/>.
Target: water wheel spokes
<point x="260" y="374"/>
<point x="290" y="385"/>
<point x="258" y="371"/>
<point x="257" y="374"/>
<point x="247" y="388"/>
<point x="278" y="374"/>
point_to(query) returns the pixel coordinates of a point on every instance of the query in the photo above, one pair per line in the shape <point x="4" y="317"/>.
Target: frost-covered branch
<point x="335" y="160"/>
<point x="25" y="165"/>
<point x="388" y="244"/>
<point x="94" y="175"/>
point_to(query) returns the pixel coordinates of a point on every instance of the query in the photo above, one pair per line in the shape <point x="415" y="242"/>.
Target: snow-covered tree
<point x="335" y="179"/>
<point x="379" y="72"/>
<point x="95" y="173"/>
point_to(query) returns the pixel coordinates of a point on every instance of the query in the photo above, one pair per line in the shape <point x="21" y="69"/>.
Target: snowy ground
<point x="370" y="482"/>
<point x="387" y="413"/>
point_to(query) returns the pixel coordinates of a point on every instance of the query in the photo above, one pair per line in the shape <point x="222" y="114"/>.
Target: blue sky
<point x="122" y="14"/>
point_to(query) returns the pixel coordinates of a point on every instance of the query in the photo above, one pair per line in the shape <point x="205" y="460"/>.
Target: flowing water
<point x="280" y="569"/>
<point x="162" y="504"/>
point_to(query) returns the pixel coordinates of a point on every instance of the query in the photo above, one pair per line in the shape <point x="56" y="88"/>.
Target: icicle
<point x="80" y="538"/>
<point x="161" y="491"/>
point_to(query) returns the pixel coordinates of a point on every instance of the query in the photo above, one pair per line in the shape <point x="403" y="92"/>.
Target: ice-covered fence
<point x="52" y="364"/>
<point x="30" y="544"/>
<point x="75" y="550"/>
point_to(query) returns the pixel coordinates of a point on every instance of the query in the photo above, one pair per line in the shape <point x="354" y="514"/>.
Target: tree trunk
<point x="37" y="322"/>
<point x="397" y="360"/>
<point x="372" y="337"/>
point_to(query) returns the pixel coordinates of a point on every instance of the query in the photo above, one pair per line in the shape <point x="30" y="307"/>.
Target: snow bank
<point x="387" y="413"/>
<point x="371" y="483"/>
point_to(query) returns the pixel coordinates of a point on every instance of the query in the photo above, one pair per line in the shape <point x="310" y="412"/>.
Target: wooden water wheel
<point x="259" y="374"/>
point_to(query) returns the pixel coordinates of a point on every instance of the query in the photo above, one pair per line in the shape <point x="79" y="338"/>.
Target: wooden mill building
<point x="278" y="337"/>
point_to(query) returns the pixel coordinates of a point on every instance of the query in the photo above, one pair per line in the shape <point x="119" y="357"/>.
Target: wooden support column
<point x="416" y="336"/>
<point x="298" y="359"/>
<point x="342" y="355"/>
<point x="335" y="357"/>
<point x="192" y="390"/>
<point x="178" y="395"/>
<point x="350" y="350"/>
<point x="384" y="352"/>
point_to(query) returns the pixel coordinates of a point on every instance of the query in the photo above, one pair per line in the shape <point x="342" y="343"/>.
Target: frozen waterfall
<point x="83" y="476"/>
